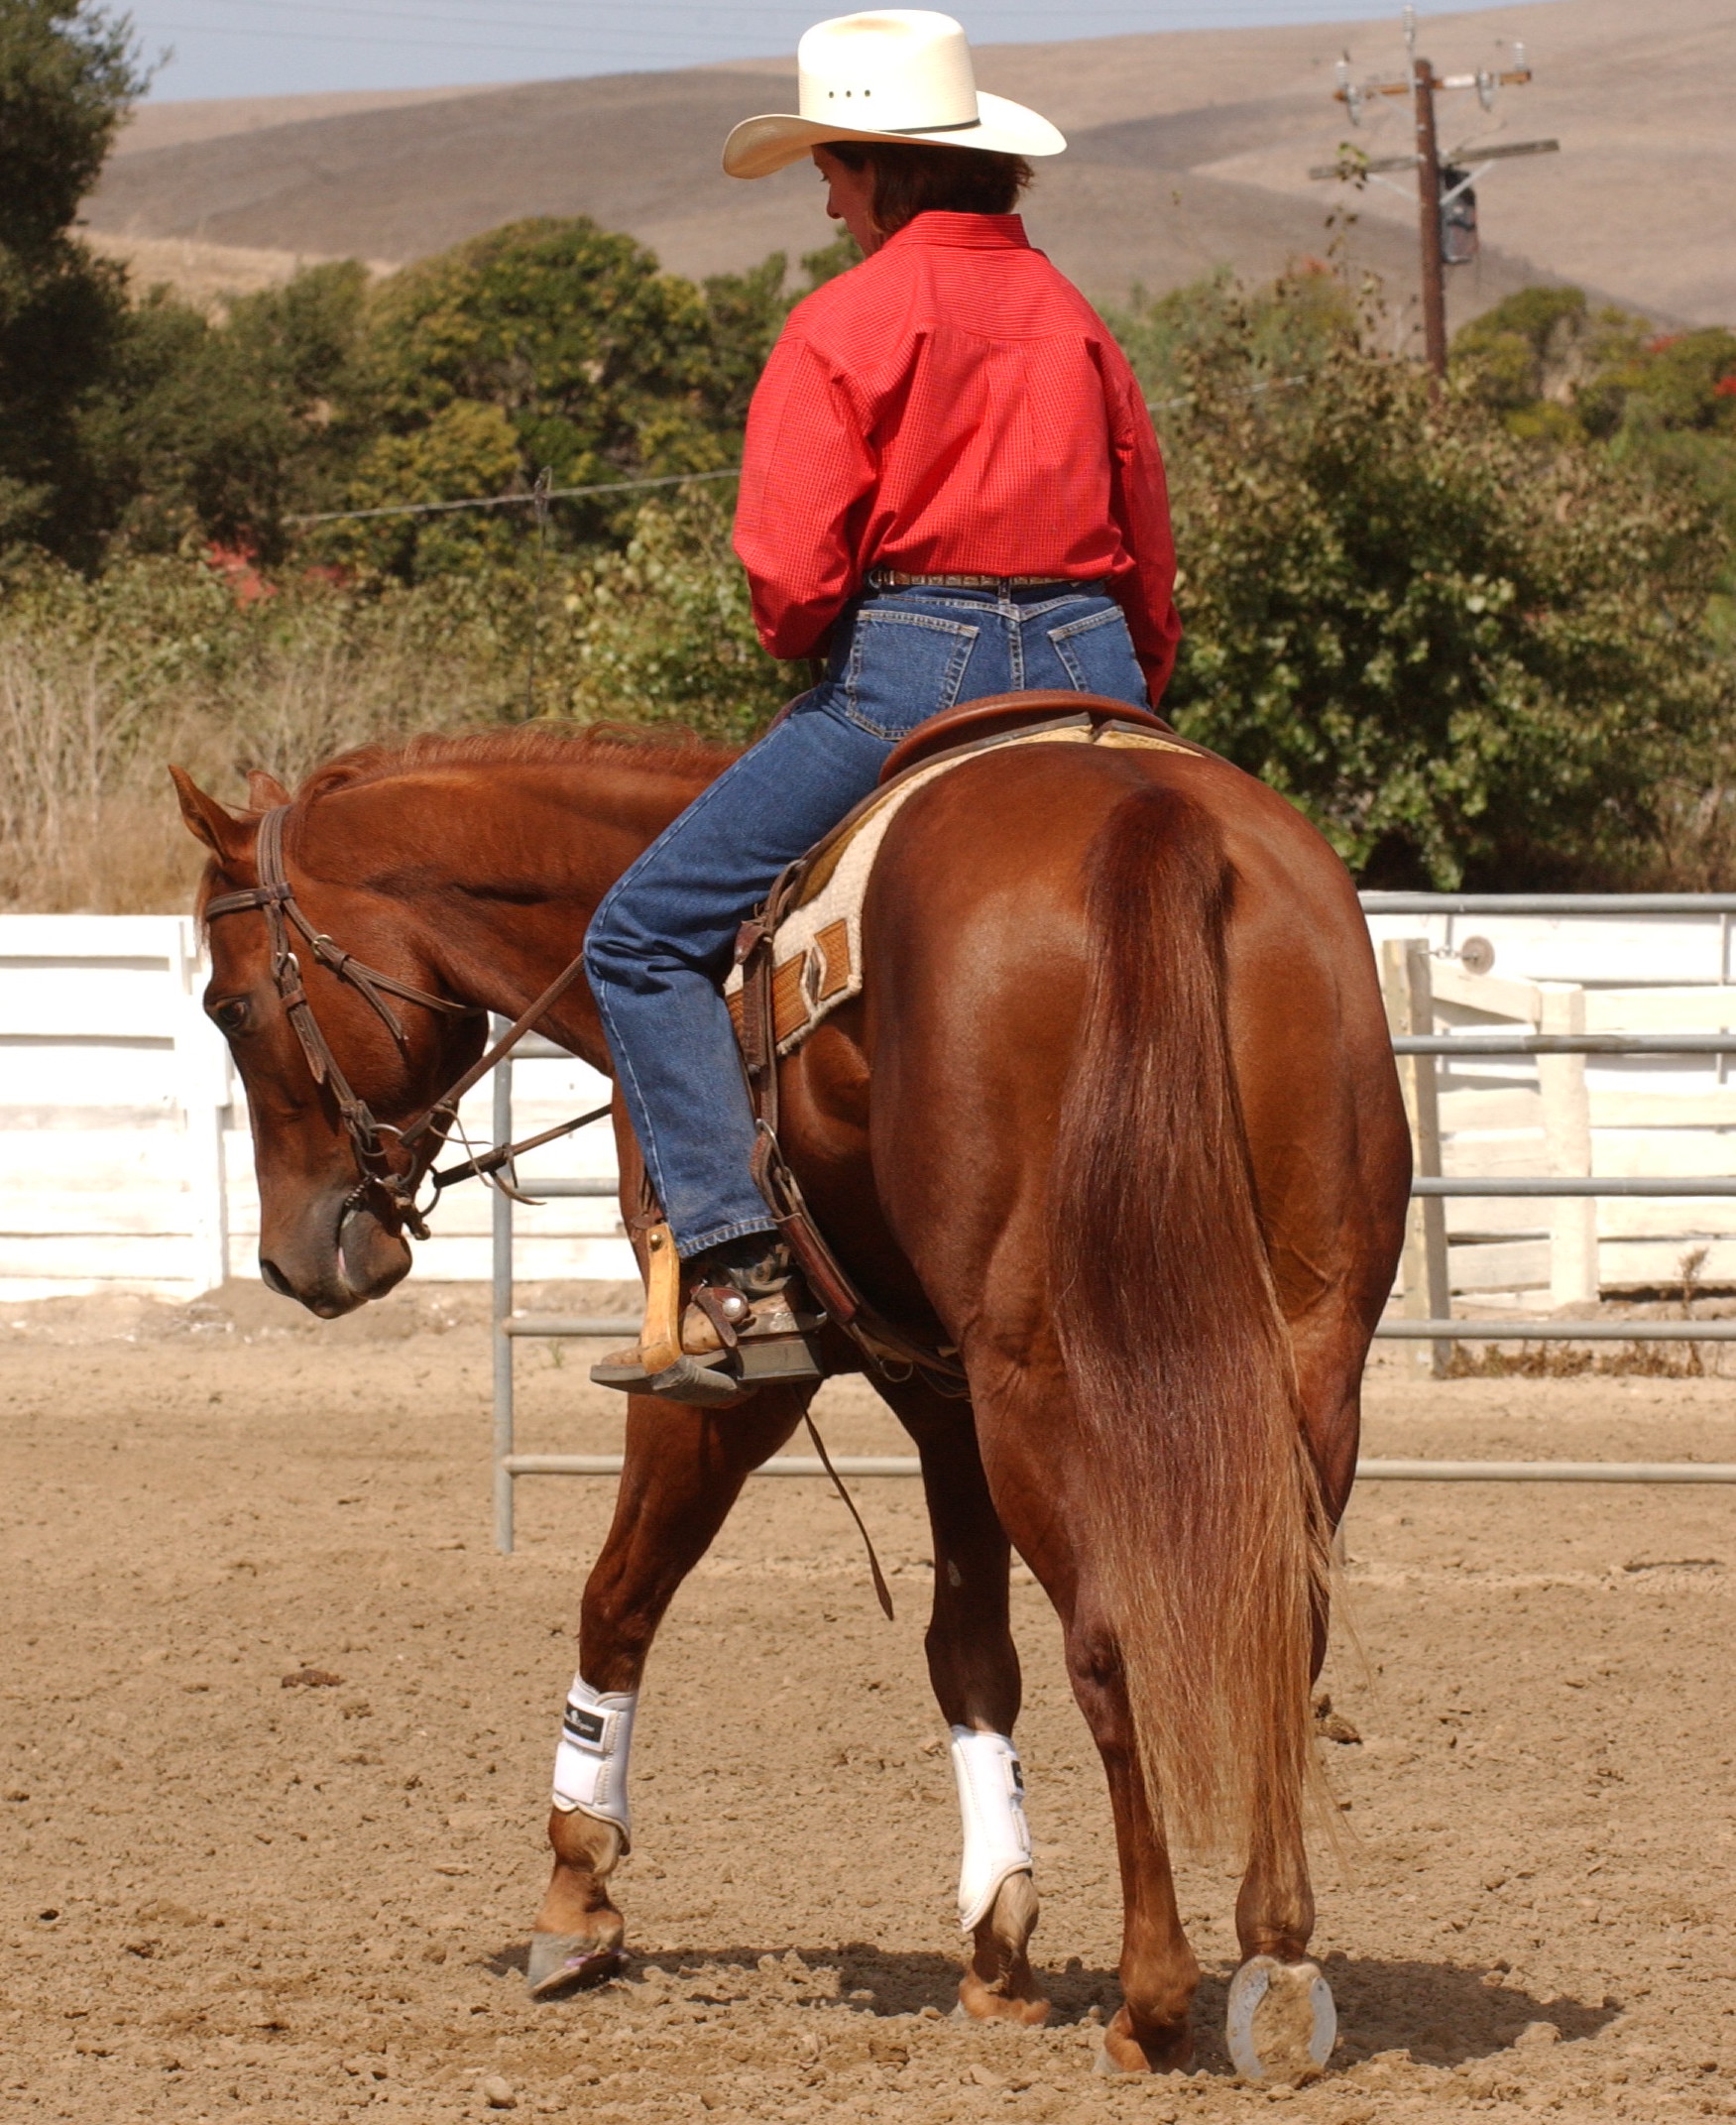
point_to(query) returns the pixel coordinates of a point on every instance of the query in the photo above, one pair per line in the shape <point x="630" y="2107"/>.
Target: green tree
<point x="216" y="430"/>
<point x="599" y="364"/>
<point x="1469" y="661"/>
<point x="661" y="632"/>
<point x="67" y="76"/>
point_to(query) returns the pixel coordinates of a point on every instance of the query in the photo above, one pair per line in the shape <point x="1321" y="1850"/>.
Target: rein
<point x="275" y="898"/>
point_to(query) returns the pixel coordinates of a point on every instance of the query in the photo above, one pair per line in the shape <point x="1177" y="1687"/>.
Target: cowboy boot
<point x="747" y="1321"/>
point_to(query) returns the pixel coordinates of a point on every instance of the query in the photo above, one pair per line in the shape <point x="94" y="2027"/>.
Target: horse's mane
<point x="659" y="752"/>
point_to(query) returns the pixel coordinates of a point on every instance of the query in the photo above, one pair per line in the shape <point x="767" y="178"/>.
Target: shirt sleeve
<point x="1144" y="586"/>
<point x="808" y="473"/>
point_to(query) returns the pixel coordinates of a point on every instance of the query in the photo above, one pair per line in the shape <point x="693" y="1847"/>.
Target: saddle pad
<point x="817" y="961"/>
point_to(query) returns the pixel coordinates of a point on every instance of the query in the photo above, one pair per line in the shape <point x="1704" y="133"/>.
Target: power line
<point x="536" y="497"/>
<point x="529" y="500"/>
<point x="1151" y="16"/>
<point x="335" y="36"/>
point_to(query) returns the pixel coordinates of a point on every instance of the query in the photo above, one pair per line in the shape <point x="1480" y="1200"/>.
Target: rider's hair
<point x="920" y="178"/>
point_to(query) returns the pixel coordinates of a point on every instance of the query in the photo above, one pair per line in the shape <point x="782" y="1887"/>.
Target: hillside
<point x="1189" y="150"/>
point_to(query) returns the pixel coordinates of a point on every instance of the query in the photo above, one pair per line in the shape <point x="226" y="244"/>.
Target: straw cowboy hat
<point x="897" y="74"/>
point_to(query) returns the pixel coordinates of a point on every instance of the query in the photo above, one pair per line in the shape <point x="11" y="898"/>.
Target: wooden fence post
<point x="1408" y="989"/>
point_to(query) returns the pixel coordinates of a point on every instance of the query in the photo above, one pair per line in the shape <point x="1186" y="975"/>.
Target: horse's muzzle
<point x="337" y="1258"/>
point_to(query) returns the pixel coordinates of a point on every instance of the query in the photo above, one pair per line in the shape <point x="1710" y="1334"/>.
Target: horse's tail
<point x="1210" y="1553"/>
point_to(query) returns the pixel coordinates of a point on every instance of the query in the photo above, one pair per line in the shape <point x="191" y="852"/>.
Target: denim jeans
<point x="661" y="942"/>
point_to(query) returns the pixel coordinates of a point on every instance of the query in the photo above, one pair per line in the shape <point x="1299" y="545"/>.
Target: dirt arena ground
<point x="226" y="1899"/>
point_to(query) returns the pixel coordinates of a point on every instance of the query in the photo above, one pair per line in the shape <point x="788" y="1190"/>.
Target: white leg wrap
<point x="590" y="1765"/>
<point x="992" y="1800"/>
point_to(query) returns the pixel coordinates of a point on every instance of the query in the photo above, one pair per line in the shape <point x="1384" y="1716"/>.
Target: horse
<point x="1114" y="1117"/>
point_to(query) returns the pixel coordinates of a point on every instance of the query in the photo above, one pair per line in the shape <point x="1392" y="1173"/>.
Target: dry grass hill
<point x="1189" y="150"/>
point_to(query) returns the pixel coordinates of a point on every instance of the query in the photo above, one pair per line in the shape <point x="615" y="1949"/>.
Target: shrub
<point x="65" y="77"/>
<point x="1467" y="661"/>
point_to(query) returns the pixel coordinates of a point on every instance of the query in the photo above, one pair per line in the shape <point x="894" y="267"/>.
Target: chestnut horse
<point x="1115" y="1114"/>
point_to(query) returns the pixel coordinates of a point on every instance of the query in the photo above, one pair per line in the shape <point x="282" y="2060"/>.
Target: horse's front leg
<point x="974" y="1667"/>
<point x="684" y="1470"/>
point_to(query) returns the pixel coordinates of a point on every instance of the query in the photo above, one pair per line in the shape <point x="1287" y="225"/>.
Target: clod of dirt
<point x="1333" y="1725"/>
<point x="311" y="1679"/>
<point x="497" y="2092"/>
<point x="1537" y="2037"/>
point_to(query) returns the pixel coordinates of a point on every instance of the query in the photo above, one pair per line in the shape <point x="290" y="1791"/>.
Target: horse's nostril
<point x="274" y="1278"/>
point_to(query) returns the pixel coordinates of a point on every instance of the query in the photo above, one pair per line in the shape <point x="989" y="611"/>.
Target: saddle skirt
<point x="817" y="953"/>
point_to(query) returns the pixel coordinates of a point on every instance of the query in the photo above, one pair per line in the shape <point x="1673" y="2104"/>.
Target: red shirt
<point x="953" y="406"/>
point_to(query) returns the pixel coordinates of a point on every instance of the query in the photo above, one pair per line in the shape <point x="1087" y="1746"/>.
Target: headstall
<point x="275" y="898"/>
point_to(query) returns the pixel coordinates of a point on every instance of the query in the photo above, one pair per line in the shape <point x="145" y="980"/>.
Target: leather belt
<point x="895" y="579"/>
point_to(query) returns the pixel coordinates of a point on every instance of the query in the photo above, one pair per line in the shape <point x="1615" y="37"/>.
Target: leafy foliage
<point x="599" y="363"/>
<point x="66" y="79"/>
<point x="664" y="626"/>
<point x="1467" y="661"/>
<point x="1486" y="636"/>
<point x="217" y="430"/>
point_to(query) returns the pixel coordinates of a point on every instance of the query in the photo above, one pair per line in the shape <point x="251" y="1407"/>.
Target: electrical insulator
<point x="1458" y="218"/>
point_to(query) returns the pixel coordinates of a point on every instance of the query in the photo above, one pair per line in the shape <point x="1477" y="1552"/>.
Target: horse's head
<point x="331" y="1231"/>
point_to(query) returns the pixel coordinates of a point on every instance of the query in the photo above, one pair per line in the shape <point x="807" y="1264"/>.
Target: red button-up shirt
<point x="953" y="406"/>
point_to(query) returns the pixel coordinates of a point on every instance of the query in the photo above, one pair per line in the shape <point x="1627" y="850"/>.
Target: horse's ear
<point x="228" y="837"/>
<point x="263" y="792"/>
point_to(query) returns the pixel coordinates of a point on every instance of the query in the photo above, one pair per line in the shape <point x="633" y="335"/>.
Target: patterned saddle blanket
<point x="816" y="956"/>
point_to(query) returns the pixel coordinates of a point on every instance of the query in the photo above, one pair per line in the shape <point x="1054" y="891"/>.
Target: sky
<point x="255" y="48"/>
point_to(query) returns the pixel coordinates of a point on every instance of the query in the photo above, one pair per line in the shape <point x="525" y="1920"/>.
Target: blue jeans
<point x="661" y="943"/>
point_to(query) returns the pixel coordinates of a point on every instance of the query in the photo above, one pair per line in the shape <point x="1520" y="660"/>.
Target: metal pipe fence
<point x="1443" y="1331"/>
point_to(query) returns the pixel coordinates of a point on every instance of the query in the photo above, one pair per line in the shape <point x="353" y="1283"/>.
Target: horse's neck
<point x="501" y="868"/>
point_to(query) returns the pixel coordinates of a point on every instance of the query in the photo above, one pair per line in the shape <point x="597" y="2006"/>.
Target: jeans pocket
<point x="1096" y="653"/>
<point x="902" y="668"/>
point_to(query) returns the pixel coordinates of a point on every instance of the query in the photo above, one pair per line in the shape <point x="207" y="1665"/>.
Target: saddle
<point x="800" y="956"/>
<point x="813" y="916"/>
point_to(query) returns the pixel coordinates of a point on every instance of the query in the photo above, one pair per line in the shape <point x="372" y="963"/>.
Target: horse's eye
<point x="231" y="1014"/>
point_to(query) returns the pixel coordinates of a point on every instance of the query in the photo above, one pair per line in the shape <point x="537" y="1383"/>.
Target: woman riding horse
<point x="951" y="489"/>
<point x="1115" y="1112"/>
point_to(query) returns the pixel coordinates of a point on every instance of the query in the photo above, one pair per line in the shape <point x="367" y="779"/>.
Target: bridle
<point x="275" y="898"/>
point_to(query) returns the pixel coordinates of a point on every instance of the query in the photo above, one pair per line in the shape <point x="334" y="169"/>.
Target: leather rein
<point x="884" y="1346"/>
<point x="275" y="898"/>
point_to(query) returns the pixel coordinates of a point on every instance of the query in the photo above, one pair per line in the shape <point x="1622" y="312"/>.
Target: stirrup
<point x="710" y="1354"/>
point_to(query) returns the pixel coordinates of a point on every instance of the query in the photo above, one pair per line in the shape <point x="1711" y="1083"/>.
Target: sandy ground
<point x="226" y="1899"/>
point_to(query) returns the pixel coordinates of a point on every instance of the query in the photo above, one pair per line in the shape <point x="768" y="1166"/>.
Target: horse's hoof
<point x="568" y="1962"/>
<point x="1282" y="2024"/>
<point x="1121" y="2053"/>
<point x="1016" y="2013"/>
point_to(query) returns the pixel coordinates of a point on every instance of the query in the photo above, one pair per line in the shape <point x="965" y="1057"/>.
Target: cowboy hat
<point x="897" y="74"/>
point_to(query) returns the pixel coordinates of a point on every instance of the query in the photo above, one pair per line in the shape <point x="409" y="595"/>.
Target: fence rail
<point x="1419" y="1049"/>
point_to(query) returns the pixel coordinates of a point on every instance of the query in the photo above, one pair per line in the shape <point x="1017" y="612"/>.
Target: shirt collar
<point x="964" y="232"/>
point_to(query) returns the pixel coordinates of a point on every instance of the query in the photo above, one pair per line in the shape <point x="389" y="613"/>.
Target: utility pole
<point x="1440" y="185"/>
<point x="1428" y="200"/>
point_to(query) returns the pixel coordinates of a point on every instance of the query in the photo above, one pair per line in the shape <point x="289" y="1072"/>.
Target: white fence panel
<point x="125" y="1162"/>
<point x="112" y="1093"/>
<point x="1669" y="973"/>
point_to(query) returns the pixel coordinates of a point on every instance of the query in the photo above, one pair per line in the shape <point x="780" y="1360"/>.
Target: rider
<point x="950" y="488"/>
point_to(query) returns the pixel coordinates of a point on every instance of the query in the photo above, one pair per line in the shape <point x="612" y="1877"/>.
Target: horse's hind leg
<point x="1027" y="1432"/>
<point x="974" y="1667"/>
<point x="684" y="1470"/>
<point x="1282" y="2022"/>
